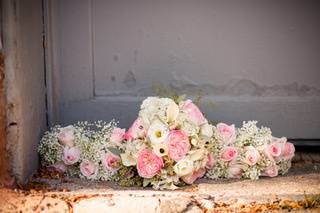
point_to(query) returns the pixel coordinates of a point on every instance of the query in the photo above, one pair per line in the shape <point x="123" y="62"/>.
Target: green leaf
<point x="146" y="182"/>
<point x="114" y="150"/>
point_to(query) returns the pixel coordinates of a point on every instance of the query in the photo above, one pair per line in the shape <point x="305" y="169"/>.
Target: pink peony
<point x="228" y="153"/>
<point x="59" y="167"/>
<point x="210" y="161"/>
<point x="111" y="161"/>
<point x="228" y="133"/>
<point x="66" y="136"/>
<point x="88" y="169"/>
<point x="288" y="151"/>
<point x="189" y="179"/>
<point x="178" y="144"/>
<point x="274" y="149"/>
<point x="117" y="136"/>
<point x="234" y="171"/>
<point x="137" y="130"/>
<point x="148" y="164"/>
<point x="193" y="112"/>
<point x="71" y="155"/>
<point x="271" y="171"/>
<point x="252" y="156"/>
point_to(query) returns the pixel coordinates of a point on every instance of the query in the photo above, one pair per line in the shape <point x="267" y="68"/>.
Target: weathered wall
<point x="253" y="59"/>
<point x="25" y="85"/>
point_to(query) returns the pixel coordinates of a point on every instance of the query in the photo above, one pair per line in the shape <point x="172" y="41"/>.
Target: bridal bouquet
<point x="81" y="150"/>
<point x="170" y="144"/>
<point x="167" y="145"/>
<point x="249" y="152"/>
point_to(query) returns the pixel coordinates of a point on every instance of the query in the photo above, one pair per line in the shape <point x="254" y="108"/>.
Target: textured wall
<point x="24" y="69"/>
<point x="253" y="59"/>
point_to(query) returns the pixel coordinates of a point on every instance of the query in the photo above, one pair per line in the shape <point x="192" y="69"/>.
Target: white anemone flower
<point x="160" y="149"/>
<point x="158" y="132"/>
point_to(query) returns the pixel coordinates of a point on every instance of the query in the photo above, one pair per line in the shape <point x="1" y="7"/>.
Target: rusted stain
<point x="5" y="178"/>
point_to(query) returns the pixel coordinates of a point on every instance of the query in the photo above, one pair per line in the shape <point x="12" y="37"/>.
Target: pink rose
<point x="194" y="112"/>
<point x="228" y="133"/>
<point x="88" y="169"/>
<point x="137" y="130"/>
<point x="148" y="164"/>
<point x="178" y="144"/>
<point x="111" y="161"/>
<point x="252" y="156"/>
<point x="210" y="161"/>
<point x="71" y="155"/>
<point x="234" y="171"/>
<point x="66" y="136"/>
<point x="288" y="151"/>
<point x="274" y="149"/>
<point x="117" y="136"/>
<point x="189" y="179"/>
<point x="271" y="171"/>
<point x="59" y="167"/>
<point x="228" y="153"/>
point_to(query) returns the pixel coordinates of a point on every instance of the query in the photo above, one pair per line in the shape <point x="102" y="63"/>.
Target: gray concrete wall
<point x="252" y="59"/>
<point x="25" y="86"/>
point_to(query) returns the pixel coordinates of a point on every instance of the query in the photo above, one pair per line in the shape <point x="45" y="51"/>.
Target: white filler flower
<point x="158" y="132"/>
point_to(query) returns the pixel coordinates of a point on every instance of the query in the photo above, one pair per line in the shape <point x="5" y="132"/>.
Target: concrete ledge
<point x="296" y="191"/>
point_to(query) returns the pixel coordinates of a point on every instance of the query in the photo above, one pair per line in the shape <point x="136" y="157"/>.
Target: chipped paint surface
<point x="25" y="87"/>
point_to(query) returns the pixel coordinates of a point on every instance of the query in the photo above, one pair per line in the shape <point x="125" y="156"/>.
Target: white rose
<point x="183" y="167"/>
<point x="128" y="159"/>
<point x="197" y="154"/>
<point x="206" y="130"/>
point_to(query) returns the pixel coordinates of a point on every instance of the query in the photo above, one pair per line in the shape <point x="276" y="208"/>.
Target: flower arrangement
<point x="166" y="145"/>
<point x="170" y="144"/>
<point x="248" y="152"/>
<point x="81" y="150"/>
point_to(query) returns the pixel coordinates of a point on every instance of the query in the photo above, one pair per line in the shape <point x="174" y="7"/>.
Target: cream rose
<point x="183" y="167"/>
<point x="206" y="130"/>
<point x="66" y="136"/>
<point x="227" y="133"/>
<point x="252" y="156"/>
